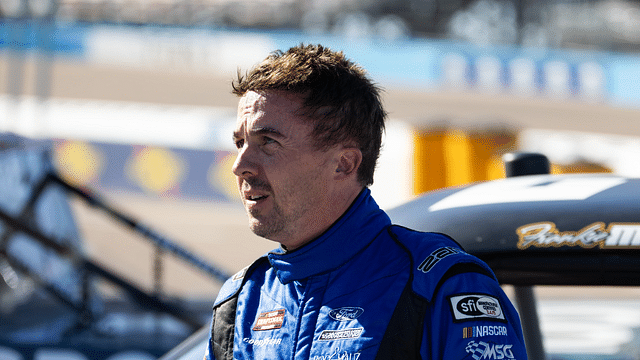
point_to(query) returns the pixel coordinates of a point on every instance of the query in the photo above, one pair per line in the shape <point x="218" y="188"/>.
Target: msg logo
<point x="482" y="350"/>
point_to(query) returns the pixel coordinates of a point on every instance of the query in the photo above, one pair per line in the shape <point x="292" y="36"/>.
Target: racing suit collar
<point x="351" y="233"/>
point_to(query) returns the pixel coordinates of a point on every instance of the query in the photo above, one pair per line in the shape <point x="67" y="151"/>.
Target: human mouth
<point x="253" y="197"/>
<point x="256" y="197"/>
<point x="255" y="203"/>
<point x="255" y="191"/>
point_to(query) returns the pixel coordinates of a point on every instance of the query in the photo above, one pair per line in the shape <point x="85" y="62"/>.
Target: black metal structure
<point x="521" y="164"/>
<point x="75" y="305"/>
<point x="577" y="229"/>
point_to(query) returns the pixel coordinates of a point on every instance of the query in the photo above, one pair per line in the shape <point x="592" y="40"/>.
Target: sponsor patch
<point x="427" y="264"/>
<point x="338" y="354"/>
<point x="545" y="234"/>
<point x="476" y="306"/>
<point x="262" y="342"/>
<point x="483" y="330"/>
<point x="346" y="313"/>
<point x="269" y="320"/>
<point x="482" y="350"/>
<point x="328" y="335"/>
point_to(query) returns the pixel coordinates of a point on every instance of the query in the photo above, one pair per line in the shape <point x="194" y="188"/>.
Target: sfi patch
<point x="475" y="307"/>
<point x="269" y="320"/>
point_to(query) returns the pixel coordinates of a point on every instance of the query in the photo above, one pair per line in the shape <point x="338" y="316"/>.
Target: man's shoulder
<point x="416" y="240"/>
<point x="233" y="285"/>
<point x="427" y="248"/>
<point x="436" y="257"/>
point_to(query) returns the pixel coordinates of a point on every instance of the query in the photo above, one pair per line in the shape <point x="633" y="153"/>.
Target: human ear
<point x="348" y="162"/>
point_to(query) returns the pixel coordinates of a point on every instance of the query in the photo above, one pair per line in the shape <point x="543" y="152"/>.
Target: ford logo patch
<point x="346" y="313"/>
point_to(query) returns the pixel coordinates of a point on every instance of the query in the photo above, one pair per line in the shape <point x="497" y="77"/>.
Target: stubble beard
<point x="278" y="223"/>
<point x="267" y="226"/>
<point x="264" y="225"/>
<point x="275" y="224"/>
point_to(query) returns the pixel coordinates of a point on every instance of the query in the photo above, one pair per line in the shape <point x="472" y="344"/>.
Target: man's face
<point x="285" y="183"/>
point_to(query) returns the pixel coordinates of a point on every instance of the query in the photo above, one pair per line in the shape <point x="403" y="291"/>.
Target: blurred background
<point x="131" y="99"/>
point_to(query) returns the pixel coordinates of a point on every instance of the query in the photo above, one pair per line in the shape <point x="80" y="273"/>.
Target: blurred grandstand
<point x="612" y="25"/>
<point x="516" y="65"/>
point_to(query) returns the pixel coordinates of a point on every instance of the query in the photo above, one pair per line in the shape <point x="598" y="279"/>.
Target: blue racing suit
<point x="366" y="289"/>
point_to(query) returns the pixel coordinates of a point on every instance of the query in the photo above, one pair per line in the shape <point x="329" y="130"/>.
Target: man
<point x="345" y="283"/>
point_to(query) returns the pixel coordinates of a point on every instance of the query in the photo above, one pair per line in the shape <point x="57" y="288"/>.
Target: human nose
<point x="245" y="165"/>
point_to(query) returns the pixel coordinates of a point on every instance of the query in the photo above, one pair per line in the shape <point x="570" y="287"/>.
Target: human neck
<point x="337" y="206"/>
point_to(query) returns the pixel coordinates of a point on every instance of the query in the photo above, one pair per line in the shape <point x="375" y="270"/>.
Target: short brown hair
<point x="340" y="98"/>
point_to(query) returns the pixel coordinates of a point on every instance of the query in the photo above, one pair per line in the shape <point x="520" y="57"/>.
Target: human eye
<point x="266" y="140"/>
<point x="239" y="143"/>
